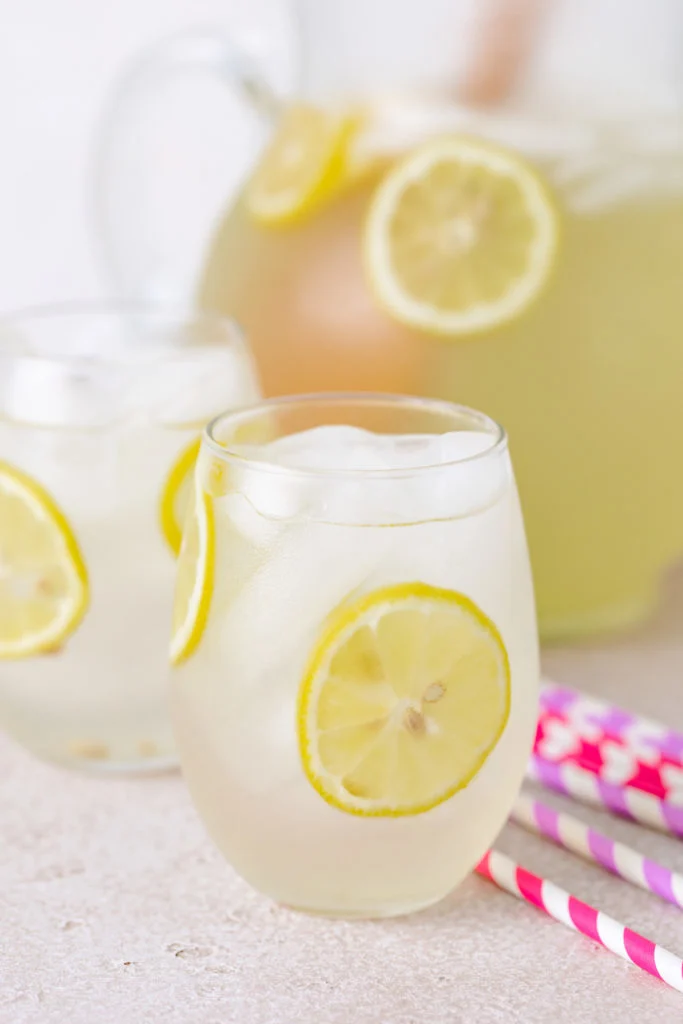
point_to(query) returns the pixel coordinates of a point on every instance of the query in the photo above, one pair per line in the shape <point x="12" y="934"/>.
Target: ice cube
<point x="294" y="475"/>
<point x="467" y="484"/>
<point x="346" y="475"/>
<point x="259" y="530"/>
<point x="190" y="388"/>
<point x="54" y="393"/>
<point x="311" y="569"/>
<point x="330" y="448"/>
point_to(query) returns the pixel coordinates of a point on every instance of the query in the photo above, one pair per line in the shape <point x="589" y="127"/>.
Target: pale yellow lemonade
<point x="355" y="650"/>
<point x="100" y="418"/>
<point x="586" y="373"/>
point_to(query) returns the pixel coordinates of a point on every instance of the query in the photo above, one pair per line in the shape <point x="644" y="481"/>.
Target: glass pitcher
<point x="481" y="202"/>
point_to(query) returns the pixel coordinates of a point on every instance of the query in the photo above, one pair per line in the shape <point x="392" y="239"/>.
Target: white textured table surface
<point x="115" y="908"/>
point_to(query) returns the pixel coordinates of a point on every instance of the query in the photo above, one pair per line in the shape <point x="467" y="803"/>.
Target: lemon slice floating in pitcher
<point x="176" y="495"/>
<point x="460" y="237"/>
<point x="43" y="578"/>
<point x="304" y="164"/>
<point x="194" y="579"/>
<point x="407" y="694"/>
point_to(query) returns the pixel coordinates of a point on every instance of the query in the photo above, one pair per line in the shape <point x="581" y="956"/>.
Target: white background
<point x="58" y="62"/>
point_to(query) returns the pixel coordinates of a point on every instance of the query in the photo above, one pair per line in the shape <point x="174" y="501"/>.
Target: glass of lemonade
<point x="101" y="408"/>
<point x="355" y="647"/>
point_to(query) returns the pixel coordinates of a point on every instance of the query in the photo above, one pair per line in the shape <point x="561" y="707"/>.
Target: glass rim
<point x="499" y="438"/>
<point x="109" y="309"/>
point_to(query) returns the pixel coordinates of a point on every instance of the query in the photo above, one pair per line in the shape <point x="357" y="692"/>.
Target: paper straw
<point x="576" y="707"/>
<point x="621" y="860"/>
<point x="505" y="36"/>
<point x="588" y="788"/>
<point x="581" y="917"/>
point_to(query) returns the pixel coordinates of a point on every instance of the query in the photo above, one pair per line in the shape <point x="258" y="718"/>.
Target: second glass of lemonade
<point x="355" y="648"/>
<point x="101" y="409"/>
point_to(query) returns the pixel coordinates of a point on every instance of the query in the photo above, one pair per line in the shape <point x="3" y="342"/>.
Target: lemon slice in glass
<point x="303" y="165"/>
<point x="176" y="494"/>
<point x="43" y="578"/>
<point x="194" y="580"/>
<point x="406" y="696"/>
<point x="460" y="237"/>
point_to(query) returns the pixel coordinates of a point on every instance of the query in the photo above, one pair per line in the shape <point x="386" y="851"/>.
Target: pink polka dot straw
<point x="622" y="750"/>
<point x="588" y="787"/>
<point x="581" y="917"/>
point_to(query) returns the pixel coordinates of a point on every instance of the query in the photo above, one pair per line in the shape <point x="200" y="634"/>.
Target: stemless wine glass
<point x="101" y="408"/>
<point x="355" y="647"/>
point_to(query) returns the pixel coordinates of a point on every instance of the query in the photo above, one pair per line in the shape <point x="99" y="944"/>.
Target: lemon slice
<point x="304" y="164"/>
<point x="176" y="494"/>
<point x="43" y="578"/>
<point x="407" y="694"/>
<point x="460" y="237"/>
<point x="194" y="580"/>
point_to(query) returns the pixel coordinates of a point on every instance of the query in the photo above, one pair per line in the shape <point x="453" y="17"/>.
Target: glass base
<point x="109" y="767"/>
<point x="371" y="913"/>
<point x="93" y="762"/>
<point x="156" y="766"/>
<point x="615" y="618"/>
<point x="94" y="748"/>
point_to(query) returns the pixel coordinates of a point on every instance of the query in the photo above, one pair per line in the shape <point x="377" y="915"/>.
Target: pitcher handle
<point x="119" y="232"/>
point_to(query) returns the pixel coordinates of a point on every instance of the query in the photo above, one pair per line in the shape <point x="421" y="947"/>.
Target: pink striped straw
<point x="621" y="860"/>
<point x="588" y="788"/>
<point x="581" y="917"/>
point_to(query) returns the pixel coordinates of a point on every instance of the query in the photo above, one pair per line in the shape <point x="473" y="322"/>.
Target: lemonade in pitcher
<point x="462" y="270"/>
<point x="482" y="201"/>
<point x="101" y="409"/>
<point x="356" y="660"/>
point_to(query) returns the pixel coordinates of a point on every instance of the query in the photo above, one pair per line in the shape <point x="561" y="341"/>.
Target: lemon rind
<point x="171" y="529"/>
<point x="187" y="637"/>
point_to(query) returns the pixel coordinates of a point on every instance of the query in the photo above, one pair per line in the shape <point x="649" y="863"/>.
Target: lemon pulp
<point x="460" y="237"/>
<point x="406" y="695"/>
<point x="43" y="578"/>
<point x="304" y="164"/>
